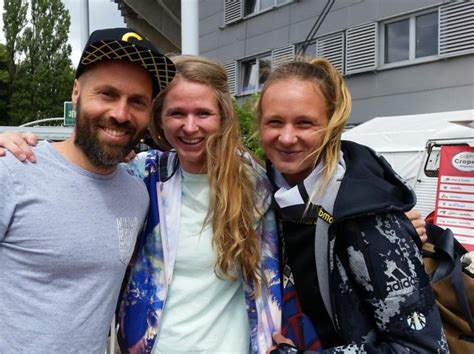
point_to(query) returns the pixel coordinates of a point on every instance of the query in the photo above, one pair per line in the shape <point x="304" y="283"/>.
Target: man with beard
<point x="68" y="224"/>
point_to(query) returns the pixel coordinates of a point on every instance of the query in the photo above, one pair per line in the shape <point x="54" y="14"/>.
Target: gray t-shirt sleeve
<point x="7" y="199"/>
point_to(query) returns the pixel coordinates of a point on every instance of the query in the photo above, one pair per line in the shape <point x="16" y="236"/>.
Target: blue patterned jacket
<point x="145" y="295"/>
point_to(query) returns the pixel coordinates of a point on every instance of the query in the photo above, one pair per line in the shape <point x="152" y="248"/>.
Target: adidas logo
<point x="398" y="280"/>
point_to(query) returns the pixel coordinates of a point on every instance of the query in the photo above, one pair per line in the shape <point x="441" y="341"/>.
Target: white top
<point x="203" y="313"/>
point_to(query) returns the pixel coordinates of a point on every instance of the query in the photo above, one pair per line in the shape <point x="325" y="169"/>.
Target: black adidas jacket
<point x="380" y="297"/>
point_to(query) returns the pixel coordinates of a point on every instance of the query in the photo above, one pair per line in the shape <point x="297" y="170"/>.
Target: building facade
<point x="398" y="57"/>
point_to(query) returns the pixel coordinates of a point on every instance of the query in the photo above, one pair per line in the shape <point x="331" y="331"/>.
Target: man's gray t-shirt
<point x="66" y="237"/>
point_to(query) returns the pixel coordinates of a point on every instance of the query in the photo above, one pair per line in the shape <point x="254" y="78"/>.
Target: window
<point x="254" y="6"/>
<point x="250" y="7"/>
<point x="254" y="72"/>
<point x="410" y="38"/>
<point x="397" y="41"/>
<point x="427" y="35"/>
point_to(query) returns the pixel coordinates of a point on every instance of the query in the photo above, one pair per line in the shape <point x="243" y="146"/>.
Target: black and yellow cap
<point x="126" y="44"/>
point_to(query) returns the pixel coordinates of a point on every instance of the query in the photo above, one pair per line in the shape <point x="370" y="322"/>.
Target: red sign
<point x="455" y="194"/>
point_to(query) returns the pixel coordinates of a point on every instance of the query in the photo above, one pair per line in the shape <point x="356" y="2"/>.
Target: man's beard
<point x="101" y="153"/>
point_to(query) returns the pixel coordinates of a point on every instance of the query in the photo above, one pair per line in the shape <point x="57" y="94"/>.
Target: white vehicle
<point x="411" y="144"/>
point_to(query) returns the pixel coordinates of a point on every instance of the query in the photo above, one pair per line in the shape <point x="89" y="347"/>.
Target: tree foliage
<point x="14" y="20"/>
<point x="4" y="77"/>
<point x="41" y="72"/>
<point x="248" y="124"/>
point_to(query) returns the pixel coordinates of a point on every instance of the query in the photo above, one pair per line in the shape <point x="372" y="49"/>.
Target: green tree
<point x="43" y="75"/>
<point x="4" y="78"/>
<point x="248" y="124"/>
<point x="14" y="20"/>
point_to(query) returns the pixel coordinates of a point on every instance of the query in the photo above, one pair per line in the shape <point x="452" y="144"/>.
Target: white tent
<point x="402" y="139"/>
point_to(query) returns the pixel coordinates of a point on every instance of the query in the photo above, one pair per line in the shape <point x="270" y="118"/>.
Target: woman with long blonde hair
<point x="352" y="273"/>
<point x="206" y="276"/>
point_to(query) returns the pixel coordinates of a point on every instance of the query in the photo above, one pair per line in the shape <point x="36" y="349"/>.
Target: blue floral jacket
<point x="144" y="299"/>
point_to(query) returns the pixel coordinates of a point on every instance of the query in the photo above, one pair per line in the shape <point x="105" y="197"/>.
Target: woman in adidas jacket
<point x="353" y="278"/>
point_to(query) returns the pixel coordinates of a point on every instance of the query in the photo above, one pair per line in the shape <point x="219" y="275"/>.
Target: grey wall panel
<point x="363" y="12"/>
<point x="299" y="30"/>
<point x="439" y="100"/>
<point x="304" y="10"/>
<point x="390" y="8"/>
<point x="352" y="14"/>
<point x="213" y="54"/>
<point x="423" y="77"/>
<point x="209" y="42"/>
<point x="340" y="17"/>
<point x="210" y="24"/>
<point x="363" y="110"/>
<point x="428" y="76"/>
<point x="336" y="21"/>
<point x="267" y="41"/>
<point x="339" y="4"/>
<point x="210" y="7"/>
<point x="278" y="18"/>
<point x="359" y="12"/>
<point x="231" y="52"/>
<point x="363" y="85"/>
<point x="231" y="34"/>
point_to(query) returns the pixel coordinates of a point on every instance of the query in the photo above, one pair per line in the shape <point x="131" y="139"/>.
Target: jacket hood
<point x="370" y="184"/>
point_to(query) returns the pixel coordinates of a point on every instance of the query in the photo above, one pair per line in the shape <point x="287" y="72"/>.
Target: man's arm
<point x="19" y="144"/>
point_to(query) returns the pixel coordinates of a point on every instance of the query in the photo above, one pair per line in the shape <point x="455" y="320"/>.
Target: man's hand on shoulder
<point x="19" y="144"/>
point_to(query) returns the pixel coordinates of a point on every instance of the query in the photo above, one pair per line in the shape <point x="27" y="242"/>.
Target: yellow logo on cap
<point x="127" y="35"/>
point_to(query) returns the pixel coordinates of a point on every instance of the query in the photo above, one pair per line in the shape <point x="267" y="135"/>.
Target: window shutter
<point x="233" y="11"/>
<point x="282" y="55"/>
<point x="361" y="48"/>
<point x="456" y="28"/>
<point x="332" y="48"/>
<point x="231" y="70"/>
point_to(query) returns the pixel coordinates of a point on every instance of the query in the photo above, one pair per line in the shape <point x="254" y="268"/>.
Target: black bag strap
<point x="443" y="242"/>
<point x="437" y="236"/>
<point x="449" y="252"/>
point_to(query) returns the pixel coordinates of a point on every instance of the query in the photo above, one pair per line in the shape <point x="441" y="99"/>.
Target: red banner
<point x="455" y="194"/>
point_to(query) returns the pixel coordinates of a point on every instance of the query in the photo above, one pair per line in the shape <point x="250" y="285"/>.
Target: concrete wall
<point x="441" y="85"/>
